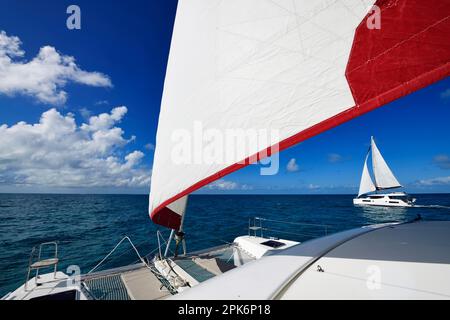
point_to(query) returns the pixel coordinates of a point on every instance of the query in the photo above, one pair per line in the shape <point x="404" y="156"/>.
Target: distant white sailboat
<point x="384" y="179"/>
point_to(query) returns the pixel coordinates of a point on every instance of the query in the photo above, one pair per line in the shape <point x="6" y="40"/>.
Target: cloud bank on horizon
<point x="44" y="76"/>
<point x="56" y="152"/>
<point x="226" y="185"/>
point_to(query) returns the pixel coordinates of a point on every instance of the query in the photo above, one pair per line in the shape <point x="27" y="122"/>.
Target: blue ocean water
<point x="87" y="227"/>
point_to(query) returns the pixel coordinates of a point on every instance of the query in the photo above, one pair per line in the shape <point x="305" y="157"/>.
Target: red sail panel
<point x="410" y="51"/>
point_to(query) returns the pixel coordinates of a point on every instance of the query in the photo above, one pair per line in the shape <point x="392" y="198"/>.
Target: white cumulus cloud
<point x="435" y="181"/>
<point x="105" y="120"/>
<point x="56" y="152"/>
<point x="227" y="185"/>
<point x="442" y="161"/>
<point x="334" y="157"/>
<point x="292" y="165"/>
<point x="44" y="76"/>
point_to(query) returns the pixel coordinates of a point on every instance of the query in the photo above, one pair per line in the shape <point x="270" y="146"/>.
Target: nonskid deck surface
<point x="206" y="266"/>
<point x="197" y="272"/>
<point x="142" y="284"/>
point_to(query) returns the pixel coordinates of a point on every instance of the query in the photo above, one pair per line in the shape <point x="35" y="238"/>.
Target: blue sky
<point x="122" y="52"/>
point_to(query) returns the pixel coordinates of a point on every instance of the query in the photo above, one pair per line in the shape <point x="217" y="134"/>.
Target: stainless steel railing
<point x="42" y="263"/>
<point x="268" y="228"/>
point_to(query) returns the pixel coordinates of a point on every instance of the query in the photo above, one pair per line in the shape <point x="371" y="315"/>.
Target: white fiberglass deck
<point x="409" y="261"/>
<point x="401" y="261"/>
<point x="202" y="266"/>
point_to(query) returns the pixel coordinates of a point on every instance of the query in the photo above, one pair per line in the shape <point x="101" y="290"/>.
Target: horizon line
<point x="199" y="194"/>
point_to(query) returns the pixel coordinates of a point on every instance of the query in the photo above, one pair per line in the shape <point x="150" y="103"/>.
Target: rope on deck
<point x="115" y="284"/>
<point x="164" y="282"/>
<point x="114" y="249"/>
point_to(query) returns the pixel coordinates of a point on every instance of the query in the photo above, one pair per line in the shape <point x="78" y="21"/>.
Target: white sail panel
<point x="179" y="206"/>
<point x="367" y="184"/>
<point x="384" y="178"/>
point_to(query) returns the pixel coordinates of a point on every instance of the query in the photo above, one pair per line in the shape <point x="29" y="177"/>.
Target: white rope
<point x="153" y="270"/>
<point x="111" y="252"/>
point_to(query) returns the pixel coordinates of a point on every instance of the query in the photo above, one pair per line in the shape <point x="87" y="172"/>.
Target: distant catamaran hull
<point x="396" y="199"/>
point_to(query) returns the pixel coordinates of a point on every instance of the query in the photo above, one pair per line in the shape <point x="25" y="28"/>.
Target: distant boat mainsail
<point x="366" y="185"/>
<point x="296" y="67"/>
<point x="384" y="178"/>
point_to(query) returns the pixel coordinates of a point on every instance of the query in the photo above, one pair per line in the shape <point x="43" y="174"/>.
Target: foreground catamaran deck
<point x="388" y="261"/>
<point x="153" y="278"/>
<point x="392" y="261"/>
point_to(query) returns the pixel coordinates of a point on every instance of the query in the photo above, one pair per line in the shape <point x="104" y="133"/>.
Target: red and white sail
<point x="298" y="67"/>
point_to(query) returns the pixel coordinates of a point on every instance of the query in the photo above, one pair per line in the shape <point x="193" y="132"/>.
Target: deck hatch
<point x="273" y="244"/>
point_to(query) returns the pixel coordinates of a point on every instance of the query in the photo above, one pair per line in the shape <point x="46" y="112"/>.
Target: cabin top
<point x="378" y="262"/>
